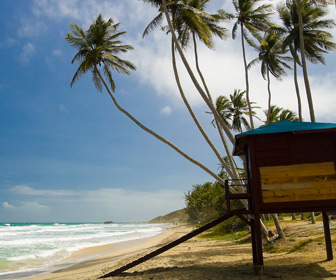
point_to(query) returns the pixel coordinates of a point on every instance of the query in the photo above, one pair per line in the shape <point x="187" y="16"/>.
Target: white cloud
<point x="26" y="190"/>
<point x="6" y="205"/>
<point x="26" y="206"/>
<point x="26" y="211"/>
<point x="63" y="108"/>
<point x="7" y="43"/>
<point x="222" y="68"/>
<point x="33" y="207"/>
<point x="85" y="11"/>
<point x="31" y="28"/>
<point x="57" y="52"/>
<point x="97" y="205"/>
<point x="166" y="111"/>
<point x="28" y="51"/>
<point x="129" y="205"/>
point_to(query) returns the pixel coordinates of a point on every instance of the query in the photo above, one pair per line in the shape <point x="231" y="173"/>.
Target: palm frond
<point x="98" y="47"/>
<point x="156" y="22"/>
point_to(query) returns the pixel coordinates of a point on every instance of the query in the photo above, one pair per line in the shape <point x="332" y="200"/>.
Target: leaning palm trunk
<point x="269" y="97"/>
<point x="297" y="92"/>
<point x="278" y="226"/>
<point x="228" y="152"/>
<point x="193" y="78"/>
<point x="304" y="64"/>
<point x="162" y="139"/>
<point x="202" y="93"/>
<point x="246" y="78"/>
<point x="212" y="146"/>
<point x="220" y="131"/>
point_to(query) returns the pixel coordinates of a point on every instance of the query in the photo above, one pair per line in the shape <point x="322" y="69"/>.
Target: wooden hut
<point x="290" y="168"/>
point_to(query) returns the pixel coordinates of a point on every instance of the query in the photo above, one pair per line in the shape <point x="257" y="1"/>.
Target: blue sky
<point x="68" y="155"/>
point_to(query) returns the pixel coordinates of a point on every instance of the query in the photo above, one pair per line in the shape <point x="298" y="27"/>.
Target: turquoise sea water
<point x="26" y="248"/>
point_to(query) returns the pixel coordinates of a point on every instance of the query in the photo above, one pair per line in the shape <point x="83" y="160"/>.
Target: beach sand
<point x="202" y="259"/>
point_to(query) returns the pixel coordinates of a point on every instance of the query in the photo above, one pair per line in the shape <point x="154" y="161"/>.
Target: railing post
<point x="227" y="196"/>
<point x="327" y="237"/>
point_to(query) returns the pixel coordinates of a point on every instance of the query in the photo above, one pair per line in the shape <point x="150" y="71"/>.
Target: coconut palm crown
<point x="189" y="17"/>
<point x="234" y="109"/>
<point x="98" y="47"/>
<point x="317" y="40"/>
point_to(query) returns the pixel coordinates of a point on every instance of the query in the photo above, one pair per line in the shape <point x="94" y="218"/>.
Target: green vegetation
<point x="179" y="216"/>
<point x="273" y="248"/>
<point x="301" y="246"/>
<point x="232" y="236"/>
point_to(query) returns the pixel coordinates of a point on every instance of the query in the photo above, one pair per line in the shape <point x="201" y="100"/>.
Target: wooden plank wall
<point x="298" y="182"/>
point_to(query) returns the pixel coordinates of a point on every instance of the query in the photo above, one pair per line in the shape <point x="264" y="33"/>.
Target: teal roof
<point x="289" y="126"/>
<point x="279" y="127"/>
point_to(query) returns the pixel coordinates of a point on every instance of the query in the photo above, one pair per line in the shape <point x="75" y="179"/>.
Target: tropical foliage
<point x="234" y="110"/>
<point x="252" y="19"/>
<point x="317" y="41"/>
<point x="277" y="114"/>
<point x="272" y="57"/>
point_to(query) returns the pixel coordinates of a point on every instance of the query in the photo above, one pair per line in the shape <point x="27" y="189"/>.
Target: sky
<point x="68" y="155"/>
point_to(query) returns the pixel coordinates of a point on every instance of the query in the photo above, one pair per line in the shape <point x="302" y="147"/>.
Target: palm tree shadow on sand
<point x="236" y="271"/>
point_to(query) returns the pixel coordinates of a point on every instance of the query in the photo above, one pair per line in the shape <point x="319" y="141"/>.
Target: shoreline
<point x="89" y="259"/>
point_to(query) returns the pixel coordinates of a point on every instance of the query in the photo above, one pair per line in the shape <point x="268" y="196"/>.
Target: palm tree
<point x="234" y="109"/>
<point x="191" y="21"/>
<point x="194" y="23"/>
<point x="277" y="114"/>
<point x="211" y="106"/>
<point x="303" y="28"/>
<point x="271" y="56"/>
<point x="288" y="115"/>
<point x="252" y="19"/>
<point x="98" y="50"/>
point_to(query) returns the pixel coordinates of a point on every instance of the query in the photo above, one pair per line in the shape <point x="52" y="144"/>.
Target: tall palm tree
<point x="304" y="29"/>
<point x="98" y="50"/>
<point x="189" y="69"/>
<point x="234" y="109"/>
<point x="271" y="56"/>
<point x="190" y="20"/>
<point x="192" y="23"/>
<point x="252" y="19"/>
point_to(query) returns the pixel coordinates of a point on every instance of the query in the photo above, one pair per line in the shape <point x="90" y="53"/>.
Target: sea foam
<point x="25" y="247"/>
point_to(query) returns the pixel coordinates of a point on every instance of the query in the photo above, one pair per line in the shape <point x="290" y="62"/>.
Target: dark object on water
<point x="108" y="222"/>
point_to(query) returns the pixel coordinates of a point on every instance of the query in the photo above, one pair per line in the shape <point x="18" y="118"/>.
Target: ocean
<point x="31" y="248"/>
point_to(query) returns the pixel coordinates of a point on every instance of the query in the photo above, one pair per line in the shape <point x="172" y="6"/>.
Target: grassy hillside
<point x="179" y="216"/>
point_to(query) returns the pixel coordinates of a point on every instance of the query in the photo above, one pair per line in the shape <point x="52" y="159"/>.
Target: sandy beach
<point x="201" y="258"/>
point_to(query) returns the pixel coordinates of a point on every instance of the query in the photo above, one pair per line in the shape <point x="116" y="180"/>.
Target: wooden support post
<point x="253" y="237"/>
<point x="258" y="261"/>
<point x="327" y="236"/>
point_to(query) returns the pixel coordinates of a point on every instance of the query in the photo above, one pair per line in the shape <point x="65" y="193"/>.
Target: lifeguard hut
<point x="290" y="169"/>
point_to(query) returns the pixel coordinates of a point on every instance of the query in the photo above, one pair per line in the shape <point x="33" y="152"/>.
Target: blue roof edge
<point x="279" y="127"/>
<point x="288" y="126"/>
